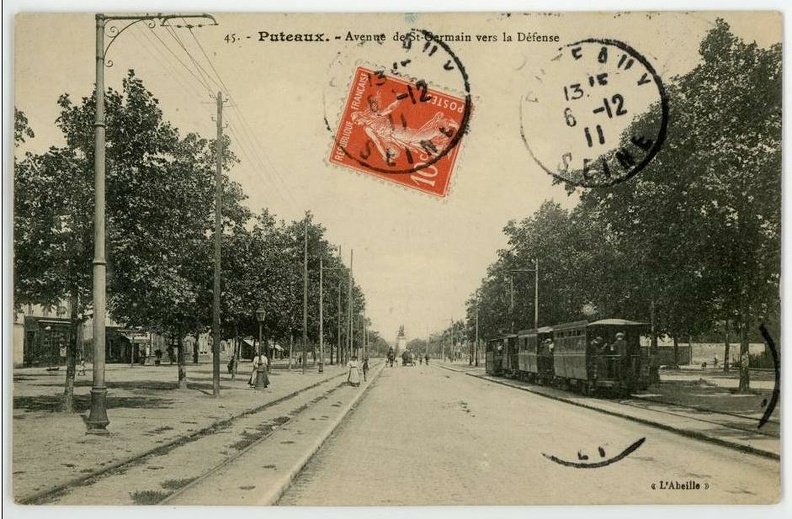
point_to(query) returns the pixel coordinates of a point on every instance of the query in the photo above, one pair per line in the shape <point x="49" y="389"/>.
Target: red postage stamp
<point x="404" y="132"/>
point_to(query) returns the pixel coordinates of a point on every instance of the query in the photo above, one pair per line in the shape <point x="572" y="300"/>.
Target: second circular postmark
<point x="596" y="114"/>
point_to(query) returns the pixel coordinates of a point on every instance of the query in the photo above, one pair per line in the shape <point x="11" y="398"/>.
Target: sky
<point x="417" y="257"/>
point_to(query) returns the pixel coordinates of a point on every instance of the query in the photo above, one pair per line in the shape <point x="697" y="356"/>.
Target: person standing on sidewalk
<point x="365" y="369"/>
<point x="353" y="376"/>
<point x="260" y="363"/>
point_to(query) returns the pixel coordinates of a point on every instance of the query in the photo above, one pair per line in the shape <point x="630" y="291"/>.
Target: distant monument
<point x="401" y="341"/>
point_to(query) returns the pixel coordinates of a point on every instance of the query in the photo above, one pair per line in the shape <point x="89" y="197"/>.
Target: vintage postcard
<point x="395" y="259"/>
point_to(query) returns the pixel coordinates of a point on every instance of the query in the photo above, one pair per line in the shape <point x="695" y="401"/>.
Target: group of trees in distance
<point x="690" y="245"/>
<point x="160" y="221"/>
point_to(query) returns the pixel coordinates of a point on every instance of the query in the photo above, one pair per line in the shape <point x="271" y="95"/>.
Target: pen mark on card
<point x="584" y="462"/>
<point x="770" y="407"/>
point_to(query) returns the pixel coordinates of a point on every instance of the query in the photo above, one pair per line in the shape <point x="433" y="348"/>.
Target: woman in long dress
<point x="260" y="363"/>
<point x="353" y="377"/>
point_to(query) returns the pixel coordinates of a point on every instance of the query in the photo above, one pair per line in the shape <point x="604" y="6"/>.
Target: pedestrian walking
<point x="426" y="358"/>
<point x="353" y="376"/>
<point x="365" y="369"/>
<point x="260" y="363"/>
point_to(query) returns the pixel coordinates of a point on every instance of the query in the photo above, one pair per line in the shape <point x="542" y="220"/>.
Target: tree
<point x="149" y="282"/>
<point x="735" y="94"/>
<point x="705" y="214"/>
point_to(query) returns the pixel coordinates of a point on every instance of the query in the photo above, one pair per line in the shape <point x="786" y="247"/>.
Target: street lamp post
<point x="261" y="313"/>
<point x="97" y="420"/>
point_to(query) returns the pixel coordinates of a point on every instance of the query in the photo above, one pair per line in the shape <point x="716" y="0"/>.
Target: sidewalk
<point x="663" y="407"/>
<point x="145" y="410"/>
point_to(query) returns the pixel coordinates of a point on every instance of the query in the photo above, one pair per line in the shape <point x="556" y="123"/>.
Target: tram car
<point x="535" y="355"/>
<point x="601" y="357"/>
<point x="499" y="357"/>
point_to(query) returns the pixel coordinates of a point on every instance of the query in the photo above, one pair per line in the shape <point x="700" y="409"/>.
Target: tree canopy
<point x="690" y="242"/>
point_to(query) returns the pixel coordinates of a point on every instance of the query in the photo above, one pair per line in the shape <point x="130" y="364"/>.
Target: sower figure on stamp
<point x="389" y="139"/>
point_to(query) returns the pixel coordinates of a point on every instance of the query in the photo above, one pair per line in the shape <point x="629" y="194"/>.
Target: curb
<point x="274" y="494"/>
<point x="682" y="432"/>
<point x="165" y="447"/>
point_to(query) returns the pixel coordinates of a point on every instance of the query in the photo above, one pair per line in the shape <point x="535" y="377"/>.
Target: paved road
<point x="429" y="436"/>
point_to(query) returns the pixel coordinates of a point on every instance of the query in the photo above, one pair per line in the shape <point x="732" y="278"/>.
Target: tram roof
<point x="542" y="329"/>
<point x="616" y="322"/>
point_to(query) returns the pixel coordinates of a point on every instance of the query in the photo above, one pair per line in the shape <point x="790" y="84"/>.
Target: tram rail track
<point x="53" y="494"/>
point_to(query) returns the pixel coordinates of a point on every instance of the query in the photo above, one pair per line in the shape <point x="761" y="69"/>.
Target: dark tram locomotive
<point x="603" y="357"/>
<point x="498" y="360"/>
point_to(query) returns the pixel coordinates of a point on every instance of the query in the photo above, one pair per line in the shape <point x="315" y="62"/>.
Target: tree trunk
<point x="654" y="369"/>
<point x="195" y="346"/>
<point x="71" y="355"/>
<point x="745" y="379"/>
<point x="235" y="353"/>
<point x="676" y="352"/>
<point x="291" y="347"/>
<point x="727" y="346"/>
<point x="182" y="361"/>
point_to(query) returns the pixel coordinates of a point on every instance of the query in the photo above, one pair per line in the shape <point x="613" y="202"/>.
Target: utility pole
<point x="535" y="270"/>
<point x="339" y="358"/>
<point x="536" y="295"/>
<point x="218" y="233"/>
<point x="305" y="296"/>
<point x="349" y="303"/>
<point x="321" y="317"/>
<point x="453" y="343"/>
<point x="476" y="348"/>
<point x="365" y="335"/>
<point x="97" y="420"/>
<point x="321" y="310"/>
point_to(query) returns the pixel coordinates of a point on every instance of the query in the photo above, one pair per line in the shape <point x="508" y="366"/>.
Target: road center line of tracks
<point x="222" y="485"/>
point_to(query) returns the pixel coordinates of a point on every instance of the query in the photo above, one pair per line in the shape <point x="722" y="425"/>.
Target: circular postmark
<point x="596" y="114"/>
<point x="404" y="118"/>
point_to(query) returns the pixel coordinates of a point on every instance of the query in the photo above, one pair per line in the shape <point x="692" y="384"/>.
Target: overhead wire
<point x="245" y="126"/>
<point x="161" y="58"/>
<point x="201" y="71"/>
<point x="188" y="69"/>
<point x="242" y="131"/>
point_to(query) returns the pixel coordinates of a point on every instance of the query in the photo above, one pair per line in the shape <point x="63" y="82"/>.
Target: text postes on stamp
<point x="405" y="132"/>
<point x="596" y="114"/>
